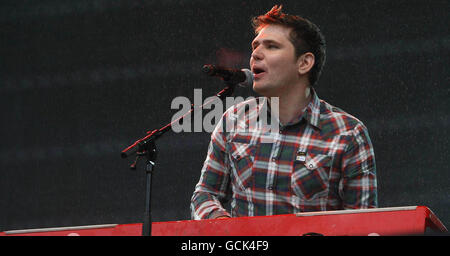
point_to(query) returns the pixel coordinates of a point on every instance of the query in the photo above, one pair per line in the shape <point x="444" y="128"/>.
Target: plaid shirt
<point x="323" y="161"/>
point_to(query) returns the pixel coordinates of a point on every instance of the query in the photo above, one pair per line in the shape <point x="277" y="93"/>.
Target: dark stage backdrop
<point x="81" y="80"/>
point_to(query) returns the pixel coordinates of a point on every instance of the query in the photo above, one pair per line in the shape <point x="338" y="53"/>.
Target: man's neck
<point x="292" y="104"/>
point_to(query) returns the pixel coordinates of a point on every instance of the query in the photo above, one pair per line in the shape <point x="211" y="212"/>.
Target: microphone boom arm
<point x="139" y="146"/>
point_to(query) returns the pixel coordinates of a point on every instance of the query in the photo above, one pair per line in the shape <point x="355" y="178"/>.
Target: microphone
<point x="243" y="77"/>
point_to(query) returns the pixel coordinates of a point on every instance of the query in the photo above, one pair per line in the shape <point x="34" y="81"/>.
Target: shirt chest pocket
<point x="242" y="158"/>
<point x="310" y="179"/>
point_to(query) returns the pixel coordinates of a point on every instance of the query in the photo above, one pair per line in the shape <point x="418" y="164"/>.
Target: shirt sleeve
<point x="359" y="182"/>
<point x="212" y="189"/>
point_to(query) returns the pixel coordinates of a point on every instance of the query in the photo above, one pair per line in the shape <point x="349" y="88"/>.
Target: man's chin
<point x="262" y="90"/>
<point x="259" y="88"/>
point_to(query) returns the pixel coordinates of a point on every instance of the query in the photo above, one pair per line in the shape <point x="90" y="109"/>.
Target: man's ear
<point x="305" y="63"/>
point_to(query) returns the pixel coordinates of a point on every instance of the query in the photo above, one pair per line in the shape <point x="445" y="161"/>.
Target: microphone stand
<point x="146" y="147"/>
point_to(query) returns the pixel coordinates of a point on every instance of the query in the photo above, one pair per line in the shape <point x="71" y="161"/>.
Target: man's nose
<point x="257" y="54"/>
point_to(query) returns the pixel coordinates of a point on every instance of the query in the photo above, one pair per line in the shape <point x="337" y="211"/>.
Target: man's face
<point x="273" y="61"/>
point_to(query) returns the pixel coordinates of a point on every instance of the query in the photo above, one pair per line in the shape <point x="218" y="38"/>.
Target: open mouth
<point x="258" y="72"/>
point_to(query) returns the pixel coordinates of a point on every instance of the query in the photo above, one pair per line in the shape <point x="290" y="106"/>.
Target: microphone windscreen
<point x="248" y="78"/>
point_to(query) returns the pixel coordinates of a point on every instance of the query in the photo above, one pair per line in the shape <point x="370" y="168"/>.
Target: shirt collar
<point x="312" y="112"/>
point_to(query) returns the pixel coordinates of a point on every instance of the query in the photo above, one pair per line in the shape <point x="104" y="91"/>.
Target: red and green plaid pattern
<point x="324" y="161"/>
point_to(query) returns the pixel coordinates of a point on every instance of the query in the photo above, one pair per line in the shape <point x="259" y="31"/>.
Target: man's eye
<point x="272" y="46"/>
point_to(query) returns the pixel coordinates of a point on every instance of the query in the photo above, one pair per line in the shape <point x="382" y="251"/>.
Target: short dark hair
<point x="305" y="36"/>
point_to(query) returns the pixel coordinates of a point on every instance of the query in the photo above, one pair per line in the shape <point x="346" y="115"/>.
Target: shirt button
<point x="274" y="159"/>
<point x="270" y="187"/>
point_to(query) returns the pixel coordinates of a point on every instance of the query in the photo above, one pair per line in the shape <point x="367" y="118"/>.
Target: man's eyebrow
<point x="264" y="41"/>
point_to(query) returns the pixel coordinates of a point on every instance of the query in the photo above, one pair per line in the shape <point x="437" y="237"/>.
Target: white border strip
<point x="58" y="229"/>
<point x="387" y="209"/>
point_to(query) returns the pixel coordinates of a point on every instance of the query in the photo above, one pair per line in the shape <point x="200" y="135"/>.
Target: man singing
<point x="321" y="158"/>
